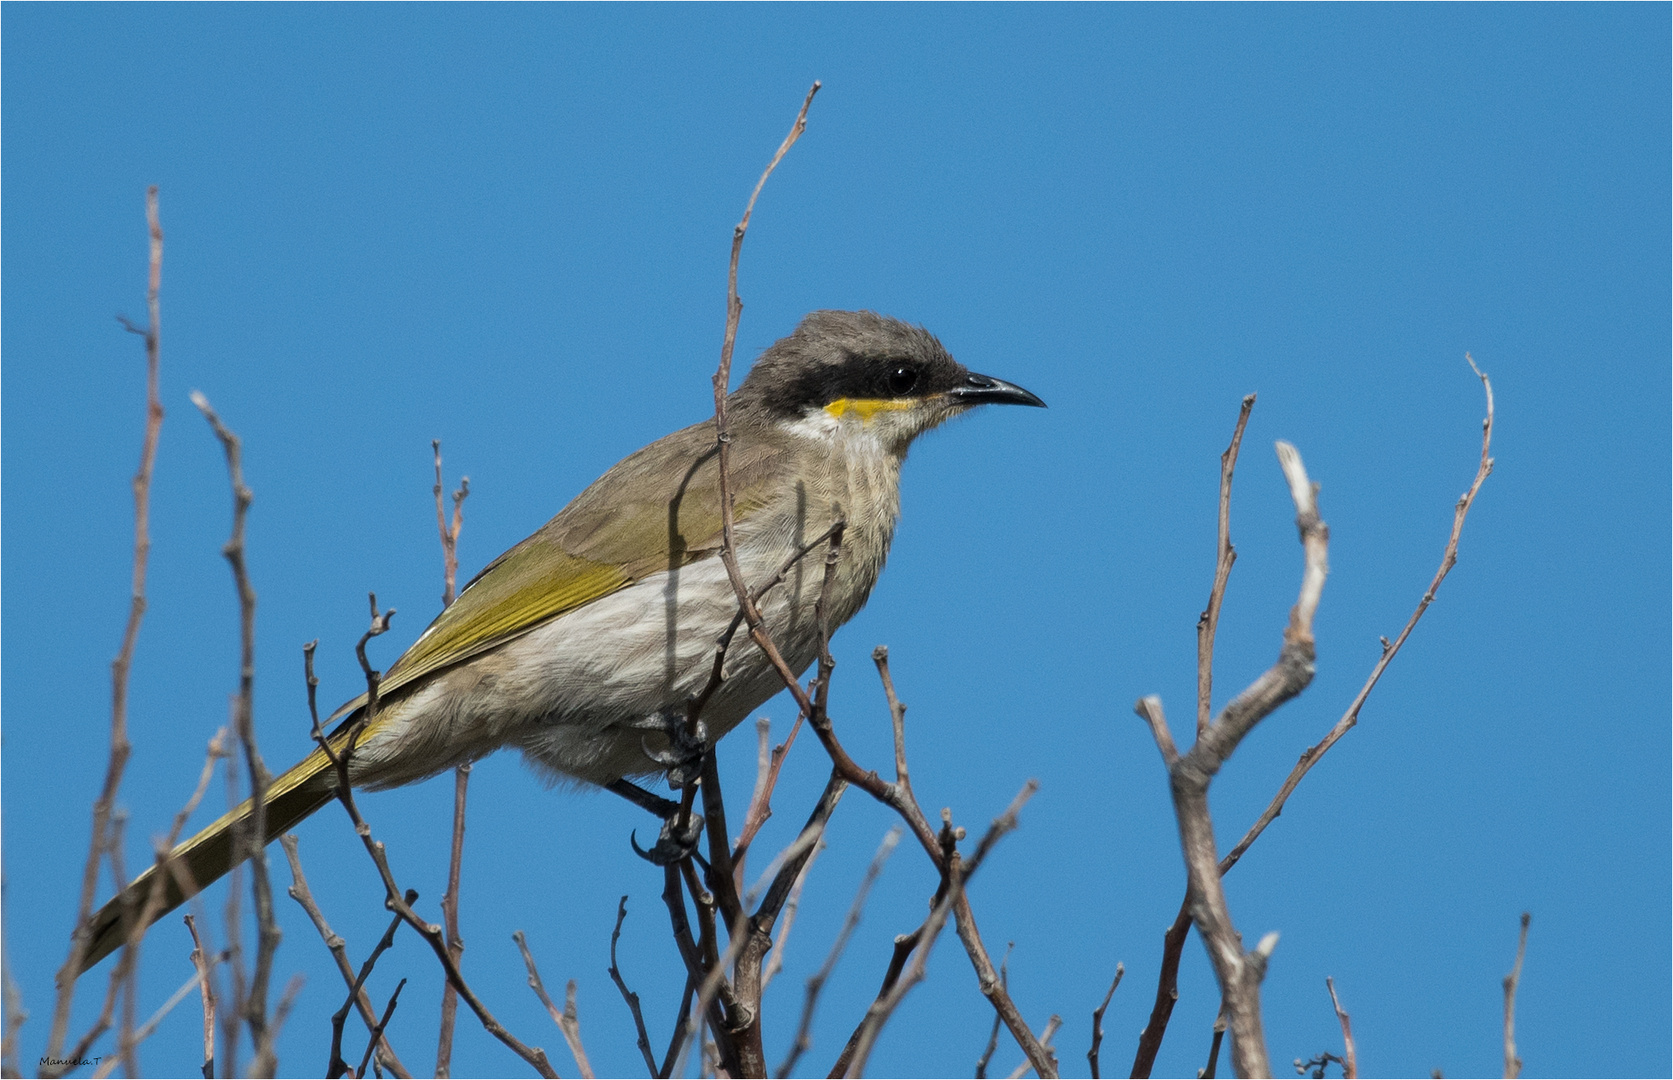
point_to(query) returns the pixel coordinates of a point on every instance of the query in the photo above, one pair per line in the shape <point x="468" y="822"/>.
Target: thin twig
<point x="711" y="988"/>
<point x="203" y="963"/>
<point x="632" y="999"/>
<point x="880" y="1010"/>
<point x="993" y="1035"/>
<point x="1449" y="558"/>
<point x="393" y="897"/>
<point x="268" y="934"/>
<point x="1046" y="1036"/>
<point x="120" y="748"/>
<point x="377" y="1032"/>
<point x="1098" y="1020"/>
<point x="10" y="1062"/>
<point x="449" y="533"/>
<point x="1225" y="557"/>
<point x="337" y="1066"/>
<point x="127" y="968"/>
<point x="895" y="796"/>
<point x="153" y="884"/>
<point x="1212" y="1069"/>
<point x="816" y="983"/>
<point x="120" y="974"/>
<point x="566" y="1018"/>
<point x="266" y="1062"/>
<point x="787" y="919"/>
<point x="1513" y="1064"/>
<point x="682" y="1024"/>
<point x="149" y="1028"/>
<point x="1350" y="1063"/>
<point x="338" y="948"/>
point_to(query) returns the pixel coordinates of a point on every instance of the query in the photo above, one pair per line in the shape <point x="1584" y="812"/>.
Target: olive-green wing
<point x="657" y="509"/>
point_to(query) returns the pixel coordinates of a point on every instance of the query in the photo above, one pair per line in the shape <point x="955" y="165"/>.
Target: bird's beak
<point x="987" y="390"/>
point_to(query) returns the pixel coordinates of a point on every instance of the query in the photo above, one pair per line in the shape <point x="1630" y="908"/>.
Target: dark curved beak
<point x="987" y="390"/>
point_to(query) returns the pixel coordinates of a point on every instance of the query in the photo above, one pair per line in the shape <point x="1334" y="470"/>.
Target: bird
<point x="581" y="645"/>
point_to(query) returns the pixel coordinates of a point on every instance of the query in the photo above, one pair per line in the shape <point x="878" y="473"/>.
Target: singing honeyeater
<point x="581" y="645"/>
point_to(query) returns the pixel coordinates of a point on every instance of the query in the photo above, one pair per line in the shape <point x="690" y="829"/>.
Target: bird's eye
<point x="902" y="379"/>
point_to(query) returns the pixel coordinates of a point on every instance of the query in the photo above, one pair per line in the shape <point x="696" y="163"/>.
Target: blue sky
<point x="507" y="228"/>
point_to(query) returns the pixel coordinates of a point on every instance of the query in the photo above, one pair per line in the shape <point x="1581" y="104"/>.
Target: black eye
<point x="902" y="379"/>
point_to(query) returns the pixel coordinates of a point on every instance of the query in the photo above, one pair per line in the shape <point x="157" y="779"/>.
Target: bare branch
<point x="1227" y="555"/>
<point x="1098" y="1020"/>
<point x="10" y="1063"/>
<point x="1174" y="940"/>
<point x="337" y="1066"/>
<point x="265" y="1063"/>
<point x="120" y="748"/>
<point x="993" y="1035"/>
<point x="566" y="1018"/>
<point x="816" y="983"/>
<point x="632" y="999"/>
<point x="787" y="919"/>
<point x="1045" y="1040"/>
<point x="146" y="1030"/>
<point x="711" y="988"/>
<point x="203" y="963"/>
<point x="1240" y="973"/>
<point x="1350" y="1062"/>
<point x="450" y="917"/>
<point x="1211" y="1070"/>
<point x="881" y="1009"/>
<point x="377" y="1032"/>
<point x="394" y="899"/>
<point x="300" y="892"/>
<point x="1513" y="1064"/>
<point x="1449" y="558"/>
<point x="449" y="532"/>
<point x="461" y="775"/>
<point x="254" y="835"/>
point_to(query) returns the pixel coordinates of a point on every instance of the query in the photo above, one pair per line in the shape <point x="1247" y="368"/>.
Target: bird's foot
<point x="683" y="760"/>
<point x="673" y="844"/>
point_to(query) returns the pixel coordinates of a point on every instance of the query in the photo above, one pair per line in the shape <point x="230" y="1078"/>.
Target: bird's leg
<point x="645" y="800"/>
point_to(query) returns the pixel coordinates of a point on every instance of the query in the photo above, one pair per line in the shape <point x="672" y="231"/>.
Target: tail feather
<point x="292" y="796"/>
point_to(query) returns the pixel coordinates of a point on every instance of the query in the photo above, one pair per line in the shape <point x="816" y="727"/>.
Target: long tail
<point x="292" y="796"/>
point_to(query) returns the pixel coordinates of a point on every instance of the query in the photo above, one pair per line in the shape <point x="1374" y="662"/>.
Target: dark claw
<point x="671" y="845"/>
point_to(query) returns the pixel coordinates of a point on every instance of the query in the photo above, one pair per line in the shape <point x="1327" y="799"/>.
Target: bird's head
<point x="858" y="372"/>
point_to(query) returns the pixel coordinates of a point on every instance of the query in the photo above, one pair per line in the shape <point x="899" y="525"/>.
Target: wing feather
<point x="658" y="509"/>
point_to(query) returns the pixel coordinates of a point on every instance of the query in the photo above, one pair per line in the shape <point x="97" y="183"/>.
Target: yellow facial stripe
<point x="866" y="408"/>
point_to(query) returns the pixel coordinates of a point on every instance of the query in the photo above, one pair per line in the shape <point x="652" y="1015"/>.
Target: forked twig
<point x="338" y="948"/>
<point x="1173" y="942"/>
<point x="568" y="1021"/>
<point x="1190" y="774"/>
<point x="394" y="899"/>
<point x="957" y="879"/>
<point x="816" y="982"/>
